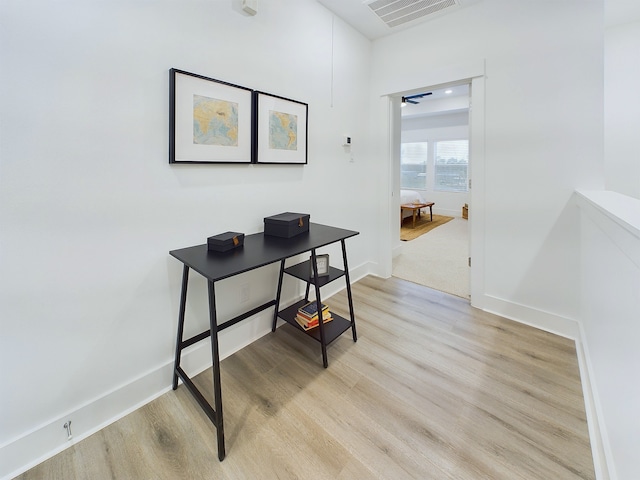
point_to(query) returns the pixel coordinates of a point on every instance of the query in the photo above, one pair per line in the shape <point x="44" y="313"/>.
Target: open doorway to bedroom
<point x="434" y="188"/>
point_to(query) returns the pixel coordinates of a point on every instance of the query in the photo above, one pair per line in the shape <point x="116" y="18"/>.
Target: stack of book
<point x="307" y="316"/>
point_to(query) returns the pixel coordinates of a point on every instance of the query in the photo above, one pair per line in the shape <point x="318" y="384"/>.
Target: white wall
<point x="90" y="207"/>
<point x="541" y="138"/>
<point x="610" y="310"/>
<point x="430" y="129"/>
<point x="622" y="107"/>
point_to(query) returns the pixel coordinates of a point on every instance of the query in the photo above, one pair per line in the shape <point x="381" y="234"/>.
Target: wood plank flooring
<point x="433" y="389"/>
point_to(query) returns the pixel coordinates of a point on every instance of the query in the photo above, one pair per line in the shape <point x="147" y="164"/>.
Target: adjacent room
<point x="133" y="132"/>
<point x="434" y="178"/>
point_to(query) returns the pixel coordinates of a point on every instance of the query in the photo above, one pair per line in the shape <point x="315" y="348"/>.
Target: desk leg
<point x="275" y="313"/>
<point x="183" y="303"/>
<point x="323" y="342"/>
<point x="346" y="277"/>
<point x="215" y="356"/>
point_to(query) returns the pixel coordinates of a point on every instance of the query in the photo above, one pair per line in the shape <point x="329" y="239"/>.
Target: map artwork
<point x="215" y="122"/>
<point x="283" y="131"/>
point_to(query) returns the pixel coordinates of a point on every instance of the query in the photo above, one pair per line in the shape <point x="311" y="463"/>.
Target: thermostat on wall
<point x="347" y="141"/>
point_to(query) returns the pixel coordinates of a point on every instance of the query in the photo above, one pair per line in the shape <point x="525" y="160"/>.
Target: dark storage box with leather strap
<point x="286" y="225"/>
<point x="225" y="241"/>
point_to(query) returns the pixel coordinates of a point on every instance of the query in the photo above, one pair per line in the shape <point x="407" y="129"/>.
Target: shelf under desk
<point x="258" y="250"/>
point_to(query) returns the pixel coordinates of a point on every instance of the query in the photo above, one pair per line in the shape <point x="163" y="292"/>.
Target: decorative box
<point x="286" y="225"/>
<point x="225" y="241"/>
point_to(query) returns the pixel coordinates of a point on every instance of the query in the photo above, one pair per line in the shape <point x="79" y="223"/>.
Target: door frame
<point x="474" y="75"/>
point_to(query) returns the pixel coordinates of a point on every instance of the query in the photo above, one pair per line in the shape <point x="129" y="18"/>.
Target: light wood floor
<point x="433" y="389"/>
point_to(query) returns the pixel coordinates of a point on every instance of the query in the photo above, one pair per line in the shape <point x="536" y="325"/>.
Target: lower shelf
<point x="332" y="329"/>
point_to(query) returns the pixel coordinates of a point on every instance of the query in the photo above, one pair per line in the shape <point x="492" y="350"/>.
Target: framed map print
<point x="209" y="120"/>
<point x="280" y="130"/>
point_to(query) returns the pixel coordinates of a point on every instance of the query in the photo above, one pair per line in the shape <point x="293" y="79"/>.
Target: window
<point x="451" y="166"/>
<point x="413" y="165"/>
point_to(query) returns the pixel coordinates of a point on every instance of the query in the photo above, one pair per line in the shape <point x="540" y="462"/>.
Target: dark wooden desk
<point x="258" y="250"/>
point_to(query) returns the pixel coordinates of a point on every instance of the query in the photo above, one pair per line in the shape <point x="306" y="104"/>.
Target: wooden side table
<point x="415" y="207"/>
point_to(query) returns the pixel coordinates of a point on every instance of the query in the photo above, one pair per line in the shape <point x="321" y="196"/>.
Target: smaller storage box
<point x="225" y="241"/>
<point x="286" y="225"/>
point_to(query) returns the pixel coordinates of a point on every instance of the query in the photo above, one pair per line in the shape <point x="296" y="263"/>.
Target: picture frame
<point x="322" y="261"/>
<point x="210" y="121"/>
<point x="280" y="130"/>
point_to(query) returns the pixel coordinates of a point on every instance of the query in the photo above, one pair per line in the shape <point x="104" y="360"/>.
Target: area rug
<point x="423" y="225"/>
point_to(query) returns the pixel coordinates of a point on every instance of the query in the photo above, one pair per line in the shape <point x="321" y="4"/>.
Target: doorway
<point x="390" y="132"/>
<point x="434" y="169"/>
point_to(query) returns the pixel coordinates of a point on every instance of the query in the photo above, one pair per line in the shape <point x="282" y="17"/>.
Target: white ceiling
<point x="401" y="14"/>
<point x="360" y="15"/>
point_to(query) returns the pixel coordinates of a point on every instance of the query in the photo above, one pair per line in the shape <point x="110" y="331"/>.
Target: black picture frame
<point x="280" y="130"/>
<point x="210" y="120"/>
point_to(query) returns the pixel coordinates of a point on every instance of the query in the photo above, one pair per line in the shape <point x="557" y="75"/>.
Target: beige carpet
<point x="423" y="225"/>
<point x="438" y="260"/>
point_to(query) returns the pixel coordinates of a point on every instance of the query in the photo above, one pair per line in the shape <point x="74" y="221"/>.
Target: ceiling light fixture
<point x="448" y="91"/>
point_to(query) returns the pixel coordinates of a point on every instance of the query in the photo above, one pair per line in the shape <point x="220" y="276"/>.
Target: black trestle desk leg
<point x="314" y="263"/>
<point x="275" y="313"/>
<point x="306" y="293"/>
<point x="346" y="277"/>
<point x="183" y="304"/>
<point x="215" y="356"/>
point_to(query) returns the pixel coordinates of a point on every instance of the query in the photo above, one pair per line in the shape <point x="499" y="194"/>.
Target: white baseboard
<point x="43" y="442"/>
<point x="550" y="322"/>
<point x="600" y="445"/>
<point x="33" y="447"/>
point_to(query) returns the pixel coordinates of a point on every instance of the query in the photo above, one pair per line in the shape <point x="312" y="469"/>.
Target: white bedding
<point x="410" y="196"/>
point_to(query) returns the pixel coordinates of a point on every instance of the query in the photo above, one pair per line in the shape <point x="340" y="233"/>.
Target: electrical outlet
<point x="67" y="427"/>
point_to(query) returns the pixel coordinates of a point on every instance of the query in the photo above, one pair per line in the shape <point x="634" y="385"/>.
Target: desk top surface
<point x="258" y="250"/>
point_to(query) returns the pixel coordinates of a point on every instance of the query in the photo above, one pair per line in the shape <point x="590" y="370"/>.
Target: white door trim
<point x="390" y="117"/>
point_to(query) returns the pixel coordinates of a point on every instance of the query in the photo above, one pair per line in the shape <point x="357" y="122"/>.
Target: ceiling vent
<point x="398" y="12"/>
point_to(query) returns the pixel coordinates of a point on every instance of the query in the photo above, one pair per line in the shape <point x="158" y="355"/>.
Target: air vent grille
<point x="398" y="12"/>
